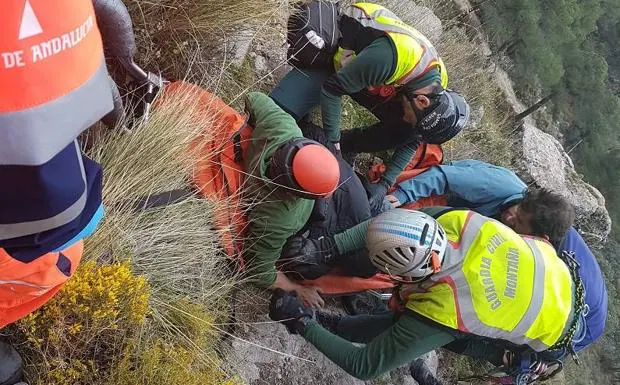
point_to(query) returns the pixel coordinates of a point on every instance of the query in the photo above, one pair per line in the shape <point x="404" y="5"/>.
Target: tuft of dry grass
<point x="174" y="247"/>
<point x="195" y="39"/>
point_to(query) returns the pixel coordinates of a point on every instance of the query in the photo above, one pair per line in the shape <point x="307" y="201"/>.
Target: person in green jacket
<point x="287" y="173"/>
<point x="393" y="71"/>
<point x="413" y="247"/>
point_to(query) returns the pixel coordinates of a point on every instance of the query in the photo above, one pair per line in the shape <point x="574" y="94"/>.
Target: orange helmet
<point x="306" y="167"/>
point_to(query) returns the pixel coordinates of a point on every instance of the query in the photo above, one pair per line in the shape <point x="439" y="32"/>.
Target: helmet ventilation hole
<point x="391" y="258"/>
<point x="399" y="251"/>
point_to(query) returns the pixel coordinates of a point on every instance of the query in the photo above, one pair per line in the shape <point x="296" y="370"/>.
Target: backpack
<point x="313" y="34"/>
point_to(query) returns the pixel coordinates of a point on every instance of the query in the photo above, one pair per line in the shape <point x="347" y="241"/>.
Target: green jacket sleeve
<point x="267" y="115"/>
<point x="373" y="66"/>
<point x="407" y="339"/>
<point x="272" y="128"/>
<point x="355" y="238"/>
<point x="401" y="158"/>
<point x="271" y="224"/>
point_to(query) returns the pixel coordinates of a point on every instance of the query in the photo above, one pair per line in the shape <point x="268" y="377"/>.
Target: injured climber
<point x="460" y="277"/>
<point x="294" y="185"/>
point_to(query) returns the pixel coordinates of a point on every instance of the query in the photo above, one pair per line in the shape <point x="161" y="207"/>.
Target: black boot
<point x="363" y="303"/>
<point x="422" y="374"/>
<point x="10" y="365"/>
<point x="328" y="321"/>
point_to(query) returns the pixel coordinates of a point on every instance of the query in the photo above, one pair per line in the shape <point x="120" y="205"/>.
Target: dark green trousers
<point x="300" y="91"/>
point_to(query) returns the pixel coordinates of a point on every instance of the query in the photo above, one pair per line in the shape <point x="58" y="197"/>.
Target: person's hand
<point x="285" y="307"/>
<point x="310" y="296"/>
<point x="376" y="192"/>
<point x="392" y="200"/>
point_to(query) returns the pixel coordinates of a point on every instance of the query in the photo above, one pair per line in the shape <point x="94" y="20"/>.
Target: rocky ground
<point x="264" y="353"/>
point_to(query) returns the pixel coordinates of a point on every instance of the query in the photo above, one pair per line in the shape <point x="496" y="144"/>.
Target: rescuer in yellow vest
<point x="392" y="70"/>
<point x="462" y="276"/>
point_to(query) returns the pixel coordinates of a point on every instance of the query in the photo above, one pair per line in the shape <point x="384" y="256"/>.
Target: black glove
<point x="286" y="308"/>
<point x="302" y="250"/>
<point x="307" y="258"/>
<point x="376" y="192"/>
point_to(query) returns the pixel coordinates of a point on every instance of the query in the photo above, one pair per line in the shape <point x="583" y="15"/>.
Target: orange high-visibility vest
<point x="25" y="287"/>
<point x="53" y="85"/>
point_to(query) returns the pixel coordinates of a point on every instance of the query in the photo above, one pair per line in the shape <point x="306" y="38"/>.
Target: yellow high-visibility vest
<point x="416" y="55"/>
<point x="495" y="283"/>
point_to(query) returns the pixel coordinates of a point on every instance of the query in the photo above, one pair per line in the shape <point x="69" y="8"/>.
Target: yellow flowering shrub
<point x="80" y="332"/>
<point x="96" y="331"/>
<point x="184" y="355"/>
<point x="165" y="363"/>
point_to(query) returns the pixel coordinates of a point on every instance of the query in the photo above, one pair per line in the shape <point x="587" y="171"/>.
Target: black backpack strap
<point x="163" y="199"/>
<point x="236" y="138"/>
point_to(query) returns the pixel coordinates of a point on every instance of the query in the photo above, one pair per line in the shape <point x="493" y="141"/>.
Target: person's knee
<point x="10" y="365"/>
<point x="298" y="92"/>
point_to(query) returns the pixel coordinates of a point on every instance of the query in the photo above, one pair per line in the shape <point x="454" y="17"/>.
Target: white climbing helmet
<point x="406" y="242"/>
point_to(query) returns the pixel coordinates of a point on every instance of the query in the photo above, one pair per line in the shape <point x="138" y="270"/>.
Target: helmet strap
<point x="435" y="262"/>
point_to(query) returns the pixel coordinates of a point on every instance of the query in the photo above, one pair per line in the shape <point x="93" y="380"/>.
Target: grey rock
<point x="261" y="65"/>
<point x="475" y="117"/>
<point x="421" y="18"/>
<point x="542" y="161"/>
<point x="262" y="351"/>
<point x="241" y="43"/>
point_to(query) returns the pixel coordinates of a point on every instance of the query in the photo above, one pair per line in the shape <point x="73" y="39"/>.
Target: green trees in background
<point x="568" y="51"/>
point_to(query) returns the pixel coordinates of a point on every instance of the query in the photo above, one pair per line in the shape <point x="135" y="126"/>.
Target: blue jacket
<point x="596" y="291"/>
<point x="489" y="189"/>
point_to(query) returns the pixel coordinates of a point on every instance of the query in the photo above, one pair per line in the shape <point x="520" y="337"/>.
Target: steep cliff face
<point x="542" y="161"/>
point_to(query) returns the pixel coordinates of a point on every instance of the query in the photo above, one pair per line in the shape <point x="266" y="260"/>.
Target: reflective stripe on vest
<point x="53" y="79"/>
<point x="24" y="287"/>
<point x="496" y="284"/>
<point x="415" y="53"/>
<point x="72" y="211"/>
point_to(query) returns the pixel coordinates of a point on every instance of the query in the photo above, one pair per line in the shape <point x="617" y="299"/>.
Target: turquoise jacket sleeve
<point x="372" y="66"/>
<point x="474" y="184"/>
<point x="355" y="238"/>
<point x="431" y="182"/>
<point x="398" y="345"/>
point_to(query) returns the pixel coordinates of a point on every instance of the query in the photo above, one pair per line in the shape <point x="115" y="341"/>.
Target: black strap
<point x="163" y="199"/>
<point x="236" y="138"/>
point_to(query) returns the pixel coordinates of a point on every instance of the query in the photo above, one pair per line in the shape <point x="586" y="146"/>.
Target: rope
<point x="566" y="342"/>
